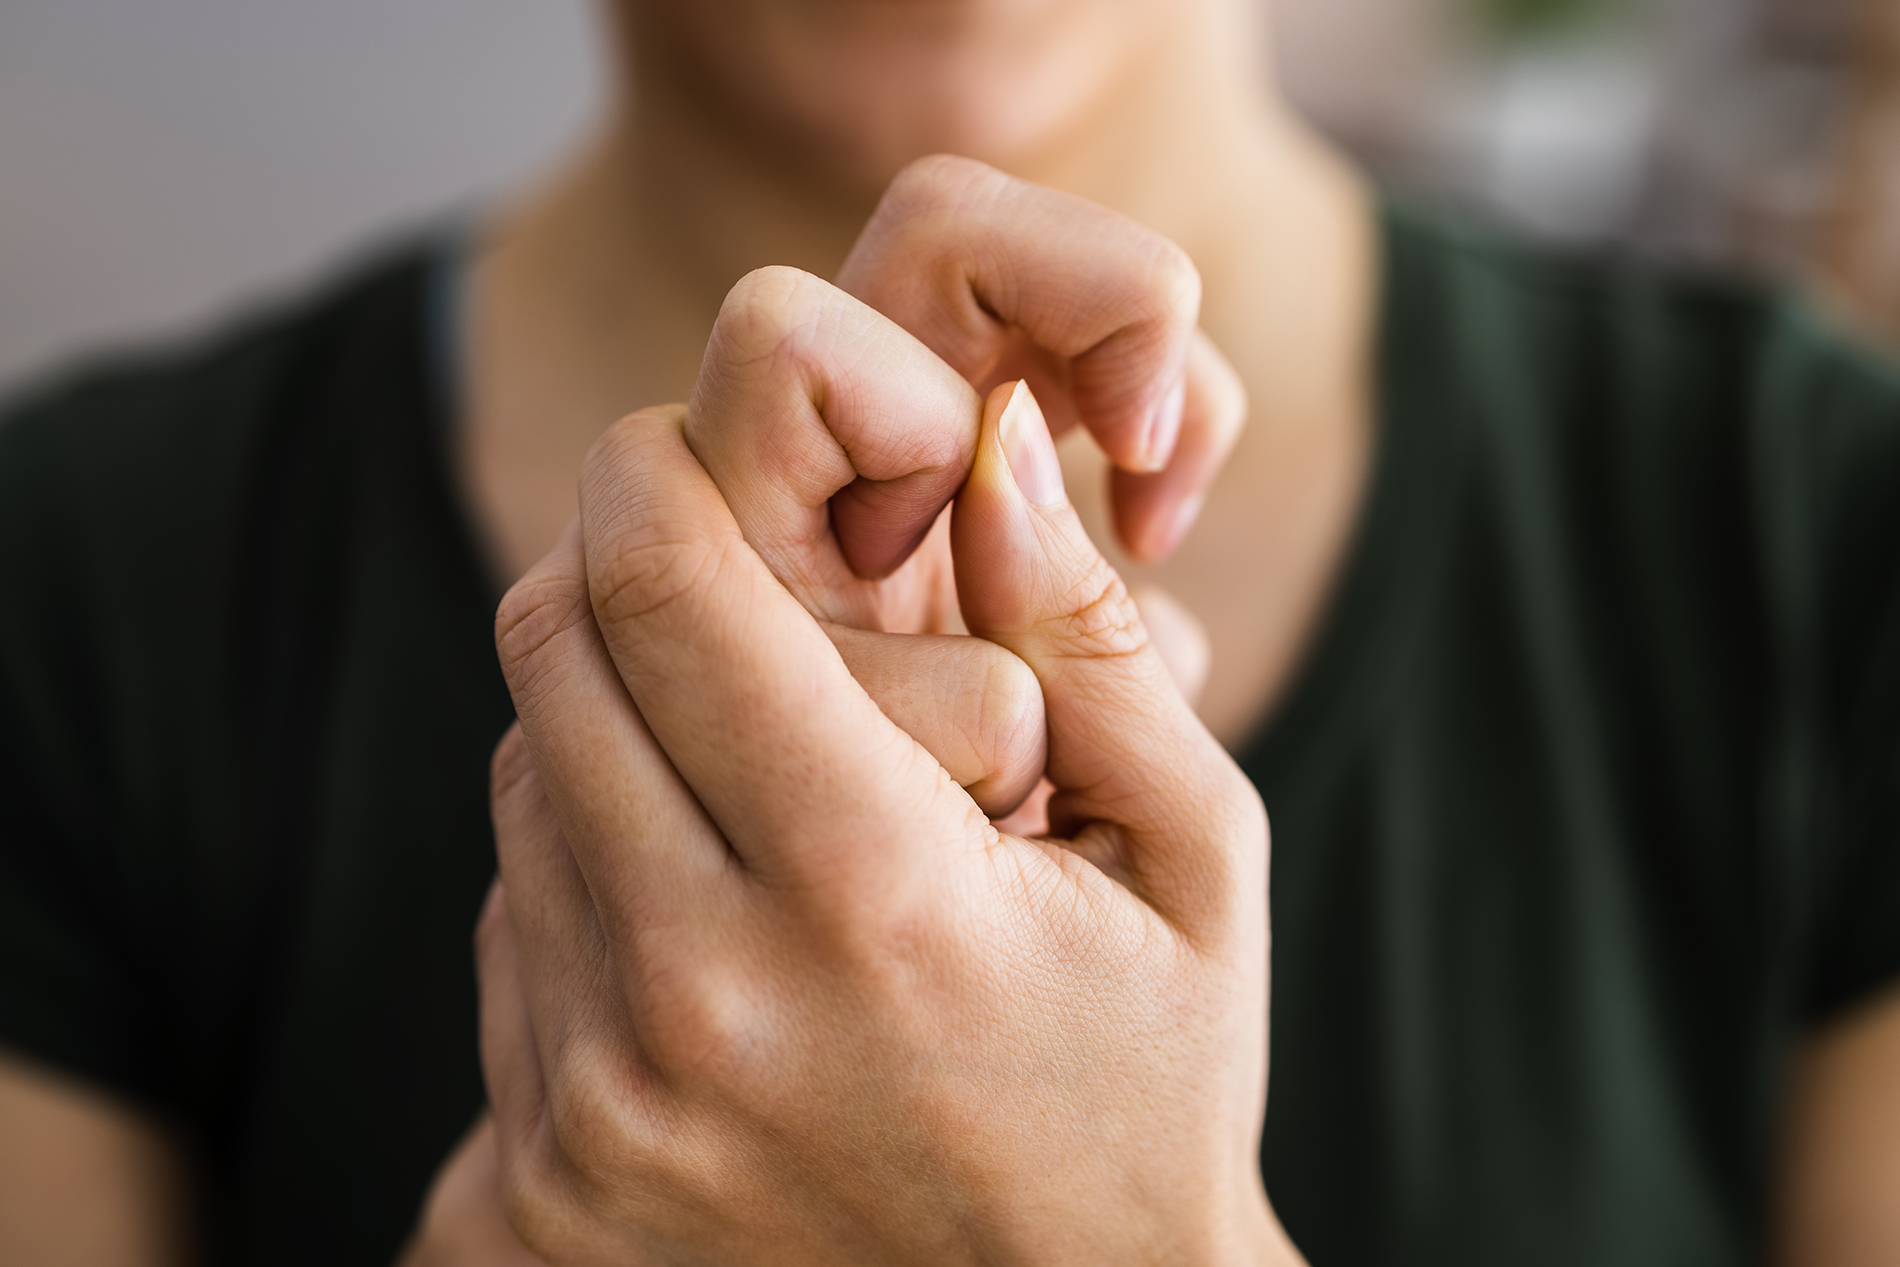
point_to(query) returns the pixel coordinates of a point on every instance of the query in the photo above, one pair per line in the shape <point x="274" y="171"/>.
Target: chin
<point x="860" y="87"/>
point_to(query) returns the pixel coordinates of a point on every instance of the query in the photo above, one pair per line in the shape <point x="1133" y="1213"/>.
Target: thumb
<point x="1131" y="763"/>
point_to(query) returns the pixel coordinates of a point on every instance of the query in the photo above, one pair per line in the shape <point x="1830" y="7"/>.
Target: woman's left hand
<point x="763" y="985"/>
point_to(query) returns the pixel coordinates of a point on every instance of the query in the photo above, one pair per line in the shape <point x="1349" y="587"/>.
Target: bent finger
<point x="649" y="855"/>
<point x="793" y="762"/>
<point x="552" y="921"/>
<point x="1153" y="511"/>
<point x="511" y="1062"/>
<point x="975" y="707"/>
<point x="973" y="261"/>
<point x="835" y="437"/>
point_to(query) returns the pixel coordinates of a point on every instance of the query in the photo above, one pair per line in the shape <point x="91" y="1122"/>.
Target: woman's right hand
<point x="772" y="464"/>
<point x="761" y="984"/>
<point x="836" y="485"/>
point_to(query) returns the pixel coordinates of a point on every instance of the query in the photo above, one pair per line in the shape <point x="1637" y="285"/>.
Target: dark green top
<point x="1584" y="806"/>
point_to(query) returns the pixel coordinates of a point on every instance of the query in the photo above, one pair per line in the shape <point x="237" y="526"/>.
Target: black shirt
<point x="1584" y="803"/>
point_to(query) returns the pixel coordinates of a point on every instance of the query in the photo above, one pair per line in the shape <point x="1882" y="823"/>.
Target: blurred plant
<point x="1512" y="20"/>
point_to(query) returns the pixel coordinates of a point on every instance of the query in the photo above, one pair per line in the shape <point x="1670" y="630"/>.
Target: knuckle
<point x="598" y="1115"/>
<point x="700" y="1025"/>
<point x="556" y="1210"/>
<point x="620" y="443"/>
<point x="491" y="928"/>
<point x="938" y="180"/>
<point x="1097" y="618"/>
<point x="626" y="443"/>
<point x="644" y="575"/>
<point x="532" y="1211"/>
<point x="1252" y="823"/>
<point x="765" y="313"/>
<point x="1012" y="734"/>
<point x="1176" y="280"/>
<point x="534" y="618"/>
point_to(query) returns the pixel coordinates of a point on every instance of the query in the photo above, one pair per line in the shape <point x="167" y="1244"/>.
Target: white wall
<point x="161" y="160"/>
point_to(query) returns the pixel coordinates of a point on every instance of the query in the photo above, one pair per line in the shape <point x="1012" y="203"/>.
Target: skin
<point x="900" y="986"/>
<point x="1840" y="1193"/>
<point x="85" y="1180"/>
<point x="597" y="294"/>
<point x="814" y="1036"/>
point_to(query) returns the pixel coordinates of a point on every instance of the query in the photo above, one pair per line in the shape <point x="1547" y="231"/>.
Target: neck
<point x="675" y="200"/>
<point x="596" y="296"/>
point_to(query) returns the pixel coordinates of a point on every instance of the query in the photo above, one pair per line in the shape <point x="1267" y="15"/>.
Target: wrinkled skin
<point x="761" y="981"/>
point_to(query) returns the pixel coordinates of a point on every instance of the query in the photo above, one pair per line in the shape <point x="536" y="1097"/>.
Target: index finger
<point x="973" y="261"/>
<point x="806" y="778"/>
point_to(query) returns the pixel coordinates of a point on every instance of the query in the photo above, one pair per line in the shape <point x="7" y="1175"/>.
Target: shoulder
<point x="157" y="510"/>
<point x="1507" y="307"/>
<point x="1712" y="467"/>
<point x="175" y="529"/>
<point x="1667" y="357"/>
<point x="150" y="482"/>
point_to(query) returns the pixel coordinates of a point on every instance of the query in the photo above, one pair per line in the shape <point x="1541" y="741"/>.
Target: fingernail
<point x="1164" y="541"/>
<point x="1164" y="426"/>
<point x="1029" y="450"/>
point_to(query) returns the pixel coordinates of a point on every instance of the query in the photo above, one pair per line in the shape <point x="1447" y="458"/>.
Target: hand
<point x="767" y="987"/>
<point x="993" y="278"/>
<point x="1122" y="302"/>
<point x="464" y="1219"/>
<point x="838" y="442"/>
<point x="1003" y="279"/>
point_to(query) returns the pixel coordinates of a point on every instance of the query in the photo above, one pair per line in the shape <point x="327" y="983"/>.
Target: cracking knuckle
<point x="1176" y="282"/>
<point x="1011" y="728"/>
<point x="937" y="182"/>
<point x="492" y="934"/>
<point x="645" y="576"/>
<point x="534" y="618"/>
<point x="535" y="611"/>
<point x="764" y="318"/>
<point x="700" y="1026"/>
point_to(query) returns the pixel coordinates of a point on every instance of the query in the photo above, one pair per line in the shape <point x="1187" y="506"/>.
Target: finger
<point x="1126" y="753"/>
<point x="973" y="706"/>
<point x="813" y="413"/>
<point x="552" y="919"/>
<point x="646" y="849"/>
<point x="809" y="782"/>
<point x="1153" y="511"/>
<point x="465" y="1219"/>
<point x="527" y="1151"/>
<point x="1031" y="818"/>
<point x="511" y="1064"/>
<point x="985" y="268"/>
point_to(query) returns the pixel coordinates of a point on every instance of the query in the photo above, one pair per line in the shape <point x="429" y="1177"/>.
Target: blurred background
<point x="163" y="160"/>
